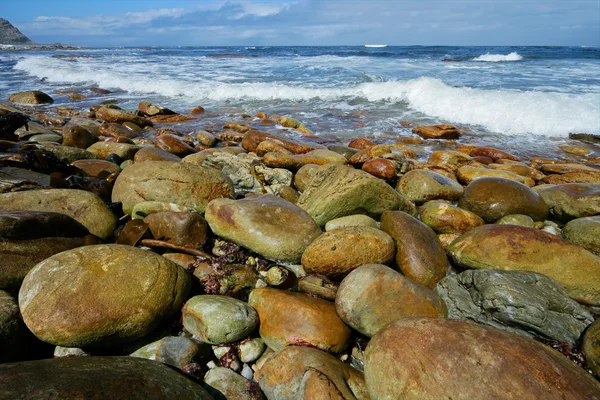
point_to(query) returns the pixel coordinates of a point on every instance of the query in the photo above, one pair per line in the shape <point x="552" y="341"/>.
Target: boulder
<point x="572" y="200"/>
<point x="591" y="347"/>
<point x="77" y="136"/>
<point x="511" y="247"/>
<point x="95" y="167"/>
<point x="224" y="384"/>
<point x="434" y="358"/>
<point x="468" y="174"/>
<point x="437" y="132"/>
<point x="307" y="321"/>
<point x="266" y="224"/>
<point x="337" y="190"/>
<point x="351" y="220"/>
<point x="117" y="115"/>
<point x="526" y="303"/>
<point x="178" y="228"/>
<point x="335" y="253"/>
<point x="493" y="198"/>
<point x="517" y="219"/>
<point x="85" y="207"/>
<point x="303" y="373"/>
<point x="443" y="217"/>
<point x="171" y="182"/>
<point x="31" y="97"/>
<point x="374" y="295"/>
<point x="153" y="154"/>
<point x="103" y="295"/>
<point x="115" y="378"/>
<point x="584" y="232"/>
<point x="177" y="351"/>
<point x="252" y="138"/>
<point x="419" y="254"/>
<point x="123" y="150"/>
<point x="420" y="186"/>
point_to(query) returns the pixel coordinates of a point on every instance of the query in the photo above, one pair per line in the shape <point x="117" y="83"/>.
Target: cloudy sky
<point x="307" y="22"/>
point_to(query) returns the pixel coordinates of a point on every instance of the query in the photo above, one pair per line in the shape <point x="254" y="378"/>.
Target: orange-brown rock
<point x="304" y="175"/>
<point x="421" y="186"/>
<point x="565" y="168"/>
<point x="409" y="140"/>
<point x="443" y="217"/>
<point x="178" y="228"/>
<point x="154" y="109"/>
<point x="419" y="254"/>
<point x="573" y="177"/>
<point x="77" y="136"/>
<point x="261" y="115"/>
<point x="454" y="158"/>
<point x="483" y="160"/>
<point x="578" y="150"/>
<point x="361" y="144"/>
<point x="197" y="110"/>
<point x="379" y="150"/>
<point x="434" y="358"/>
<point x="230" y="136"/>
<point x="337" y="252"/>
<point x="94" y="167"/>
<point x="253" y="138"/>
<point x="374" y="295"/>
<point x="111" y="114"/>
<point x="591" y="347"/>
<point x="117" y="130"/>
<point x="174" y="145"/>
<point x="269" y="146"/>
<point x="381" y="168"/>
<point x="266" y="122"/>
<point x="236" y="126"/>
<point x="437" y="132"/>
<point x="520" y="169"/>
<point x="296" y="161"/>
<point x="468" y="174"/>
<point x="167" y="119"/>
<point x="100" y="91"/>
<point x="307" y="321"/>
<point x="148" y="153"/>
<point x="492" y="153"/>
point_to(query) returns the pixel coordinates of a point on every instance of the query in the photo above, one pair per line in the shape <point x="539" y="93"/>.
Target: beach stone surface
<point x="494" y="198"/>
<point x="374" y="295"/>
<point x="223" y="383"/>
<point x="336" y="191"/>
<point x="179" y="228"/>
<point x="148" y="153"/>
<point x="124" y="150"/>
<point x="419" y="254"/>
<point x="304" y="175"/>
<point x="584" y="232"/>
<point x="97" y="296"/>
<point x="381" y="168"/>
<point x="437" y="132"/>
<point x="31" y="97"/>
<point x="463" y="360"/>
<point x="119" y="116"/>
<point x="467" y="174"/>
<point x="591" y="347"/>
<point x="252" y="138"/>
<point x="517" y="219"/>
<point x="337" y="252"/>
<point x="444" y="217"/>
<point x="95" y="167"/>
<point x="526" y="303"/>
<point x="85" y="207"/>
<point x="118" y="378"/>
<point x="77" y="136"/>
<point x="180" y="183"/>
<point x="218" y="319"/>
<point x="572" y="200"/>
<point x="420" y="186"/>
<point x="351" y="220"/>
<point x="511" y="247"/>
<point x="303" y="373"/>
<point x="176" y="351"/>
<point x="266" y="224"/>
<point x="307" y="321"/>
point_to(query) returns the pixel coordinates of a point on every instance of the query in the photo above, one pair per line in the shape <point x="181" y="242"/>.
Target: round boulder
<point x="421" y="186"/>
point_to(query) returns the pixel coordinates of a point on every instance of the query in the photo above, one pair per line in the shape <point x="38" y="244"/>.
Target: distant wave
<point x="514" y="56"/>
<point x="503" y="111"/>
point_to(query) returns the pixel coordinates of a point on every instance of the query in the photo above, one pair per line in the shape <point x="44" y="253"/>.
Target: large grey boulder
<point x="522" y="302"/>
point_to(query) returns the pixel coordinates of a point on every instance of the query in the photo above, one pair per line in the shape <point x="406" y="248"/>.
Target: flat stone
<point x="437" y="132"/>
<point x="439" y="358"/>
<point x="253" y="138"/>
<point x="572" y="200"/>
<point x="307" y="321"/>
<point x="374" y="295"/>
<point x="96" y="296"/>
<point x="443" y="217"/>
<point x="511" y="247"/>
<point x="420" y="186"/>
<point x="95" y="167"/>
<point x="268" y="225"/>
<point x="526" y="303"/>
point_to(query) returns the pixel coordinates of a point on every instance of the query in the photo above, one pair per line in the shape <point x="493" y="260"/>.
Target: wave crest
<point x="514" y="56"/>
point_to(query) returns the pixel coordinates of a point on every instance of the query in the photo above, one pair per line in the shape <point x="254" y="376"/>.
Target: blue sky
<point x="307" y="22"/>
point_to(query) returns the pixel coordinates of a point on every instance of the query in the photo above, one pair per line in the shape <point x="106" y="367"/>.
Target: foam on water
<point x="514" y="56"/>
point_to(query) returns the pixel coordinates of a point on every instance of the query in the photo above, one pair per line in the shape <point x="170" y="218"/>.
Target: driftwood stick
<point x="166" y="245"/>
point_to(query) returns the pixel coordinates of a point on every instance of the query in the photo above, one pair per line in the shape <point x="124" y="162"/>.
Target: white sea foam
<point x="503" y="111"/>
<point x="514" y="56"/>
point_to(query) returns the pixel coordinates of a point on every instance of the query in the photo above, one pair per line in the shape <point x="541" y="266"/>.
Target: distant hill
<point x="11" y="35"/>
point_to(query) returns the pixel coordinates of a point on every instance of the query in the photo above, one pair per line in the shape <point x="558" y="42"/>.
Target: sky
<point x="306" y="22"/>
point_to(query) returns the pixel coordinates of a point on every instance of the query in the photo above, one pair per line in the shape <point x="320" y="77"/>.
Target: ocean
<point x="524" y="99"/>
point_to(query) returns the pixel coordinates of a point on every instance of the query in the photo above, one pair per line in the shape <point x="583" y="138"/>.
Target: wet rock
<point x="206" y="139"/>
<point x="145" y="208"/>
<point x="117" y="115"/>
<point x="251" y="349"/>
<point x="517" y="219"/>
<point x="294" y="162"/>
<point x="77" y="136"/>
<point x="174" y="145"/>
<point x="336" y="191"/>
<point x="65" y="153"/>
<point x="118" y="130"/>
<point x="178" y="228"/>
<point x="104" y="149"/>
<point x="572" y="200"/>
<point x="584" y="232"/>
<point x="526" y="303"/>
<point x="252" y="139"/>
<point x="520" y="169"/>
<point x="15" y="339"/>
<point x="197" y="110"/>
<point x="229" y="279"/>
<point x="180" y="183"/>
<point x="302" y="373"/>
<point x="361" y="144"/>
<point x="437" y="132"/>
<point x="492" y="153"/>
<point x="419" y="254"/>
<point x="307" y="321"/>
<point x="449" y="157"/>
<point x="345" y="151"/>
<point x="177" y="351"/>
<point x="318" y="285"/>
<point x="351" y="220"/>
<point x="374" y="295"/>
<point x="10" y="122"/>
<point x="218" y="319"/>
<point x="494" y="198"/>
<point x="223" y="383"/>
<point x="304" y="175"/>
<point x="154" y="109"/>
<point x="85" y="207"/>
<point x="591" y="347"/>
<point x="481" y="363"/>
<point x="95" y="167"/>
<point x="19" y="179"/>
<point x="335" y="253"/>
<point x="443" y="217"/>
<point x="153" y="154"/>
<point x="381" y="168"/>
<point x="511" y="247"/>
<point x="101" y="295"/>
<point x="573" y="177"/>
<point x="468" y="174"/>
<point x="97" y="378"/>
<point x="30" y="97"/>
<point x="267" y="225"/>
<point x="420" y="186"/>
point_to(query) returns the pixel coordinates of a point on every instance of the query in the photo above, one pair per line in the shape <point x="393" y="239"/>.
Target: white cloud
<point x="260" y="9"/>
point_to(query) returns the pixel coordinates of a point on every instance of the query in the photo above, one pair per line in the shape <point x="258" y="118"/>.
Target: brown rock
<point x="174" y="145"/>
<point x="419" y="254"/>
<point x="337" y="252"/>
<point x="77" y="136"/>
<point x="520" y="169"/>
<point x="253" y="138"/>
<point x="148" y="153"/>
<point x="374" y="295"/>
<point x="468" y="174"/>
<point x="117" y="130"/>
<point x="421" y="186"/>
<point x="443" y="217"/>
<point x="94" y="167"/>
<point x="463" y="360"/>
<point x="361" y="144"/>
<point x="573" y="177"/>
<point x="154" y="109"/>
<point x="307" y="321"/>
<point x="492" y="153"/>
<point x="566" y="168"/>
<point x="178" y="228"/>
<point x="104" y="149"/>
<point x="437" y="132"/>
<point x="31" y="97"/>
<point x="572" y="200"/>
<point x="119" y="116"/>
<point x="269" y="146"/>
<point x="197" y="110"/>
<point x="381" y="168"/>
<point x="167" y="119"/>
<point x="304" y="175"/>
<point x="454" y="158"/>
<point x="100" y="91"/>
<point x="591" y="347"/>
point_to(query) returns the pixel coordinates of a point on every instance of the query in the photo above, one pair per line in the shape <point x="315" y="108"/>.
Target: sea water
<point x="512" y="97"/>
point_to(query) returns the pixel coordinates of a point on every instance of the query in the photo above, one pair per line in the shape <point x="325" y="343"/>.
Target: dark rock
<point x="11" y="35"/>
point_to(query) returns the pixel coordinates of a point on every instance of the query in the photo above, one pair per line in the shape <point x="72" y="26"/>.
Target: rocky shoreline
<point x="258" y="259"/>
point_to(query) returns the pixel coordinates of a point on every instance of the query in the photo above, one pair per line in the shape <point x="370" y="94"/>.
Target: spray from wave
<point x="514" y="56"/>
